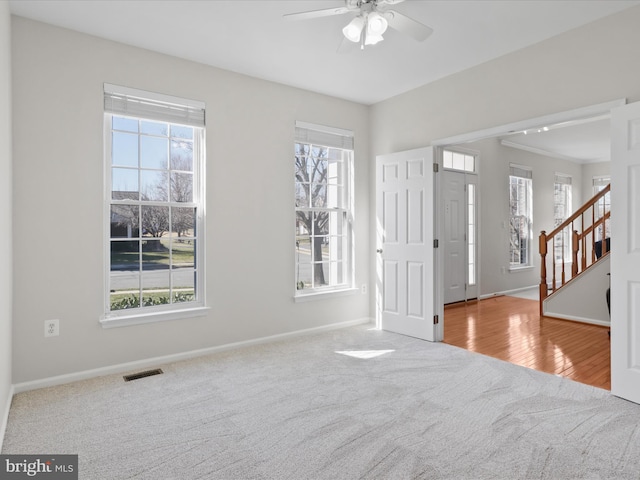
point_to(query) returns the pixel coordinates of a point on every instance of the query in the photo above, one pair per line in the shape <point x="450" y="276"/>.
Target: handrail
<point x="579" y="243"/>
<point x="580" y="211"/>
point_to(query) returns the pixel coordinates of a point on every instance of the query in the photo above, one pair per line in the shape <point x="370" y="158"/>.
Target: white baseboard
<point x="155" y="361"/>
<point x="592" y="321"/>
<point x="4" y="420"/>
<point x="507" y="292"/>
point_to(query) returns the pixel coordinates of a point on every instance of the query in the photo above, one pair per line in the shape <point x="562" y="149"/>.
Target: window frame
<point x="599" y="182"/>
<point x="147" y="314"/>
<point x="564" y="183"/>
<point x="525" y="174"/>
<point x="337" y="139"/>
<point x="466" y="162"/>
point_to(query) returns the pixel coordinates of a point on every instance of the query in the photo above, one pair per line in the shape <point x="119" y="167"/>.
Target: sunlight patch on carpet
<point x="365" y="354"/>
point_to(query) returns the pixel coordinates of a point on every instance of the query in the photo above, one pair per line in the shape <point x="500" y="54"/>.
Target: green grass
<point x="182" y="253"/>
<point x="124" y="300"/>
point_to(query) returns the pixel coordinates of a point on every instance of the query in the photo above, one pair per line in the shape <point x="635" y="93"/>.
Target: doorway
<point x="460" y="215"/>
<point x="463" y="141"/>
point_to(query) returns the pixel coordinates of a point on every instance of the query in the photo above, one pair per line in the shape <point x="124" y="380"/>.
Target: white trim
<point x="152" y="317"/>
<point x="538" y="122"/>
<point x="592" y="321"/>
<point x="177" y="357"/>
<point x="506" y="292"/>
<point x="323" y="128"/>
<point x="160" y="97"/>
<point x="318" y="295"/>
<point x="4" y="420"/>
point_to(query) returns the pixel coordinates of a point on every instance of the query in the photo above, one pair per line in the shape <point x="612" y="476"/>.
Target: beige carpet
<point x="387" y="407"/>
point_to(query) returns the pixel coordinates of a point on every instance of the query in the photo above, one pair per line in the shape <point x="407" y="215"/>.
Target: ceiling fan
<point x="372" y="19"/>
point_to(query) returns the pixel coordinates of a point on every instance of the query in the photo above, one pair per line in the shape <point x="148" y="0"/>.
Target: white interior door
<point x="455" y="244"/>
<point x="625" y="252"/>
<point x="405" y="263"/>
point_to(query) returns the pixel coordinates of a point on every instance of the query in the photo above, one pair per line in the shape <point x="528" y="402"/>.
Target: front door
<point x="405" y="253"/>
<point x="625" y="252"/>
<point x="459" y="235"/>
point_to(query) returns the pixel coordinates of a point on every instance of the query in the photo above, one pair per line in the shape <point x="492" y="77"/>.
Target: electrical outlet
<point x="51" y="328"/>
<point x="364" y="288"/>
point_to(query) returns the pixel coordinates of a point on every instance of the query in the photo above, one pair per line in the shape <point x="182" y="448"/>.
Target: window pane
<point x="154" y="128"/>
<point x="155" y="288"/>
<point x="447" y="159"/>
<point x="121" y="300"/>
<point x="153" y="185"/>
<point x="469" y="163"/>
<point x="155" y="254"/>
<point x="124" y="149"/>
<point x="180" y="131"/>
<point x="124" y="184"/>
<point x="458" y="161"/>
<point x="302" y="149"/>
<point x="183" y="221"/>
<point x="183" y="285"/>
<point x="182" y="155"/>
<point x="302" y="194"/>
<point x="181" y="187"/>
<point x="183" y="253"/>
<point x="125" y="255"/>
<point x="123" y="123"/>
<point x="154" y="152"/>
<point x="155" y="221"/>
<point x="125" y="221"/>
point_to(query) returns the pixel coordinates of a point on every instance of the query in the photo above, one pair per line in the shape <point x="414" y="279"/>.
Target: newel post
<point x="543" y="267"/>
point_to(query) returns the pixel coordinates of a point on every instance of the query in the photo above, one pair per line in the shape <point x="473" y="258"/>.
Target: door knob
<point x="379" y="250"/>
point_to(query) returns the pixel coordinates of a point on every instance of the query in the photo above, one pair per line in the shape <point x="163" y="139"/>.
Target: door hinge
<point x="436" y="320"/>
<point x="436" y="168"/>
<point x="435" y="243"/>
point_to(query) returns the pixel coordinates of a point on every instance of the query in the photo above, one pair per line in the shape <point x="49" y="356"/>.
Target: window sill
<point x="306" y="297"/>
<point x="520" y="269"/>
<point x="153" y="317"/>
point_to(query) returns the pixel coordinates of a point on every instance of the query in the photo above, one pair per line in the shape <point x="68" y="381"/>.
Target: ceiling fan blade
<point x="407" y="25"/>
<point x="327" y="12"/>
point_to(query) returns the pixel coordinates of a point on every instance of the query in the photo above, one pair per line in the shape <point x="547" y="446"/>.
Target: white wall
<point x="58" y="117"/>
<point x="5" y="214"/>
<point x="589" y="65"/>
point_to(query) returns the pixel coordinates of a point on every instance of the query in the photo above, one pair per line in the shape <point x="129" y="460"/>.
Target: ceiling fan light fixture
<point x="372" y="39"/>
<point x="376" y="24"/>
<point x="353" y="30"/>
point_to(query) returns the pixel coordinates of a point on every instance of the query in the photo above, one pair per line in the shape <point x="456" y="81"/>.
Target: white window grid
<point x="324" y="218"/>
<point x="181" y="287"/>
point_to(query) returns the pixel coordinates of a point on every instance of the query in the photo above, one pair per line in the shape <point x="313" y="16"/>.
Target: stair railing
<point x="593" y="217"/>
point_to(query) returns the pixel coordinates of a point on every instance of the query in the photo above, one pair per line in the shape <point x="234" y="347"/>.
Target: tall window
<point x="562" y="210"/>
<point x="603" y="205"/>
<point x="154" y="161"/>
<point x="520" y="216"/>
<point x="324" y="209"/>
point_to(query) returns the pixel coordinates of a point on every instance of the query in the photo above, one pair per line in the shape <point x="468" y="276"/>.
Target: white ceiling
<point x="587" y="141"/>
<point x="251" y="37"/>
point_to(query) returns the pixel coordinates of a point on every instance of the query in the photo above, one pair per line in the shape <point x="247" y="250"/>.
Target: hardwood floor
<point x="511" y="329"/>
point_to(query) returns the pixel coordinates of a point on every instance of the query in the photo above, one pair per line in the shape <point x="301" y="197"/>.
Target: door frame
<point x="438" y="153"/>
<point x="501" y="130"/>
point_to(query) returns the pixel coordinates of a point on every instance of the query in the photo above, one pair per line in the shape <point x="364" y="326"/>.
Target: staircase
<point x="575" y="246"/>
